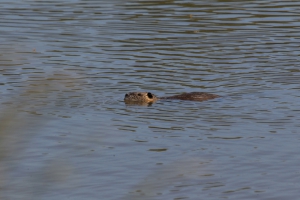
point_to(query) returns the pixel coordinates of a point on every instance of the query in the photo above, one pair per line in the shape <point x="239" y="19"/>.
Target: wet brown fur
<point x="147" y="97"/>
<point x="193" y="96"/>
<point x="140" y="97"/>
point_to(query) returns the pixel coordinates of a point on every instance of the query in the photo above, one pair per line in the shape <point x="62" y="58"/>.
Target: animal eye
<point x="149" y="95"/>
<point x="139" y="94"/>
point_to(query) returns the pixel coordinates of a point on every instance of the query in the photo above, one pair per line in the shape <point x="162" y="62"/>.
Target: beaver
<point x="149" y="98"/>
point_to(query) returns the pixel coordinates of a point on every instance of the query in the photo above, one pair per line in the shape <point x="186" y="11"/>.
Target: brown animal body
<point x="147" y="97"/>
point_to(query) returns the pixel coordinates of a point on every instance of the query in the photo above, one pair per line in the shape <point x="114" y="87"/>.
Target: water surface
<point x="66" y="133"/>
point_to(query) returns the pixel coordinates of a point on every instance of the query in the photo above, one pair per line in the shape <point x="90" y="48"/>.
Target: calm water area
<point x="65" y="132"/>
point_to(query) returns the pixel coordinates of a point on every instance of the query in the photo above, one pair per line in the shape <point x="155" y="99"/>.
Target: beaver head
<point x="140" y="97"/>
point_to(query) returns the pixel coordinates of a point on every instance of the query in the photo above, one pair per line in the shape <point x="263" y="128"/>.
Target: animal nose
<point x="126" y="95"/>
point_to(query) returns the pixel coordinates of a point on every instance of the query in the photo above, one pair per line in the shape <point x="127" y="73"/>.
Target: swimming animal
<point x="149" y="98"/>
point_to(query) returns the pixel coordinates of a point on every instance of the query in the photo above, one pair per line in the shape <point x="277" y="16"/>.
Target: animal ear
<point x="150" y="95"/>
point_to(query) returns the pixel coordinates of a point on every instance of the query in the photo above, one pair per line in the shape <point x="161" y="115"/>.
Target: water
<point x="67" y="134"/>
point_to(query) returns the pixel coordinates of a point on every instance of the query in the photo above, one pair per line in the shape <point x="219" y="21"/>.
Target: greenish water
<point x="65" y="132"/>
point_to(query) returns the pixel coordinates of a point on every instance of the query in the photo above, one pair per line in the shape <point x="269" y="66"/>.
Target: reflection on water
<point x="172" y="177"/>
<point x="66" y="133"/>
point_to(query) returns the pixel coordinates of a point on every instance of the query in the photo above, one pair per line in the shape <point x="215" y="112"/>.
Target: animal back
<point x="193" y="96"/>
